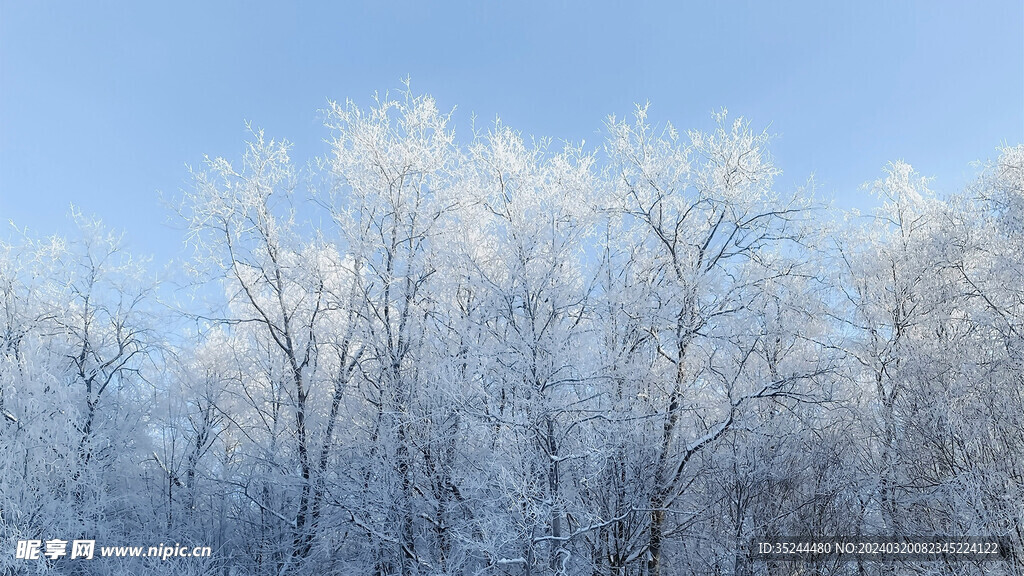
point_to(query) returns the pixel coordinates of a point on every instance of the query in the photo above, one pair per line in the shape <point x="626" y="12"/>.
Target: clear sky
<point x="102" y="104"/>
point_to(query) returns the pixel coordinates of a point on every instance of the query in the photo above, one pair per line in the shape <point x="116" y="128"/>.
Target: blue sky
<point x="102" y="104"/>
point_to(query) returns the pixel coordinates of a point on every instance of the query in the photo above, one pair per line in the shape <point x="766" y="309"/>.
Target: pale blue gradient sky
<point x="103" y="104"/>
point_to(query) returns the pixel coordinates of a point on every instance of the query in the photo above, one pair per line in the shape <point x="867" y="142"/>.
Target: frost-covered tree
<point x="78" y="335"/>
<point x="392" y="169"/>
<point x="708" y="240"/>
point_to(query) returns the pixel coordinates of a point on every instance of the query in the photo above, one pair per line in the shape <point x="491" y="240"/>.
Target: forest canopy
<point x="423" y="355"/>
